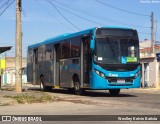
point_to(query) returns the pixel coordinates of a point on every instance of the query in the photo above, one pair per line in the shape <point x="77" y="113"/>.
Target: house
<point x="150" y="67"/>
<point x="8" y="73"/>
<point x="8" y="76"/>
<point x="2" y="65"/>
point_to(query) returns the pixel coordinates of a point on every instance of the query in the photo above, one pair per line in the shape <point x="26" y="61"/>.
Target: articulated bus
<point x="105" y="58"/>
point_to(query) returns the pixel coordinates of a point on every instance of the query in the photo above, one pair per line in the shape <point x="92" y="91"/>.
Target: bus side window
<point x="30" y="56"/>
<point x="36" y="55"/>
<point x="48" y="52"/>
<point x="75" y="48"/>
<point x="41" y="54"/>
<point x="65" y="49"/>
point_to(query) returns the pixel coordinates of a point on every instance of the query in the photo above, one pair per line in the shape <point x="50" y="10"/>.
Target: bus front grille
<point x="129" y="80"/>
<point x="116" y="84"/>
<point x="120" y="81"/>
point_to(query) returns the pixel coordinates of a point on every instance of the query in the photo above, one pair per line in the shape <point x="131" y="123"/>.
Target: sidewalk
<point x="7" y="101"/>
<point x="143" y="90"/>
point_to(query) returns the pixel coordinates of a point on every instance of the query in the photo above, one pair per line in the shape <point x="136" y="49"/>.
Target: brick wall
<point x="10" y="62"/>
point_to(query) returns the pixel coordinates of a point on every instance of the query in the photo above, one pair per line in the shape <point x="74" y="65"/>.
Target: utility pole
<point x="0" y="71"/>
<point x="156" y="31"/>
<point x="18" y="49"/>
<point x="152" y="34"/>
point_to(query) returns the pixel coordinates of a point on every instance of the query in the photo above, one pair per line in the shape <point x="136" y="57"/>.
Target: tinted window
<point x="116" y="50"/>
<point x="65" y="49"/>
<point x="30" y="56"/>
<point x="41" y="53"/>
<point x="49" y="52"/>
<point x="75" y="47"/>
<point x="70" y="48"/>
<point x="116" y="32"/>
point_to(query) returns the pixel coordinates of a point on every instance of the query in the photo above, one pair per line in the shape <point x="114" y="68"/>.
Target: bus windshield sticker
<point x="131" y="59"/>
<point x="123" y="60"/>
<point x="100" y="58"/>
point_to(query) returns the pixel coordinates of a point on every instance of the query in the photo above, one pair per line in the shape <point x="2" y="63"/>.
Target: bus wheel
<point x="77" y="89"/>
<point x="42" y="83"/>
<point x="114" y="92"/>
<point x="43" y="87"/>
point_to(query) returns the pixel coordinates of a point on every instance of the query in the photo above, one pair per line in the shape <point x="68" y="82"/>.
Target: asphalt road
<point x="129" y="102"/>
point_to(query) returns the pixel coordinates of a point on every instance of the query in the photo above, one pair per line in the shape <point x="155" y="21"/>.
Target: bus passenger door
<point x="35" y="64"/>
<point x="86" y="61"/>
<point x="56" y="64"/>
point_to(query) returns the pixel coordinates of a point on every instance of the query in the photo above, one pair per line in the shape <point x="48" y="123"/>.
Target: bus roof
<point x="61" y="37"/>
<point x="70" y="35"/>
<point x="119" y="27"/>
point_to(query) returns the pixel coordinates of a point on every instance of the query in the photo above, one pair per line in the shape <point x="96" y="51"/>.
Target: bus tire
<point x="114" y="92"/>
<point x="43" y="87"/>
<point x="77" y="88"/>
<point x="42" y="83"/>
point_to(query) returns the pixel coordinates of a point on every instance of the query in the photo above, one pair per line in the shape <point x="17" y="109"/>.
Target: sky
<point x="43" y="19"/>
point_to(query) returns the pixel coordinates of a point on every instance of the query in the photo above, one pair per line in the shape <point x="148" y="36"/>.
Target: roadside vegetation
<point x="32" y="98"/>
<point x="8" y="89"/>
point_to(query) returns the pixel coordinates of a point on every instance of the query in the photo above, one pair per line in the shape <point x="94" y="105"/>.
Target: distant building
<point x="8" y="73"/>
<point x="145" y="48"/>
<point x="8" y="76"/>
<point x="150" y="66"/>
<point x="2" y="61"/>
<point x="10" y="62"/>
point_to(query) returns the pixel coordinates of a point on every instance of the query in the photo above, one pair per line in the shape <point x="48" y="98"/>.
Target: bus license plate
<point x="120" y="81"/>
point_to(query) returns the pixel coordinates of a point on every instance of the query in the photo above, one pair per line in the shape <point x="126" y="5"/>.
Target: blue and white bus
<point x="104" y="58"/>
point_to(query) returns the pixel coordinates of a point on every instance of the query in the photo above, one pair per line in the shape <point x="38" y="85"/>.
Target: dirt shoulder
<point x="32" y="94"/>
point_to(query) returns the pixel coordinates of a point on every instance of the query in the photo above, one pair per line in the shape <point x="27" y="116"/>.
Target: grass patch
<point x="30" y="98"/>
<point x="8" y="89"/>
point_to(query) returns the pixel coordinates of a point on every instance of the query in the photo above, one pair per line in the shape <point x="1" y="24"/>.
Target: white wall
<point x="8" y="77"/>
<point x="153" y="71"/>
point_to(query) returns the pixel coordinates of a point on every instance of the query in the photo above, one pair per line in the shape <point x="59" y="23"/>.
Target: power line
<point x="63" y="15"/>
<point x="7" y="7"/>
<point x="24" y="13"/>
<point x="5" y="3"/>
<point x="78" y="15"/>
<point x="121" y="9"/>
<point x="59" y="21"/>
<point x="100" y="17"/>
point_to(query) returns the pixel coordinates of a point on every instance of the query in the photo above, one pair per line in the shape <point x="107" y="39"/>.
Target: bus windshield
<point x="116" y="50"/>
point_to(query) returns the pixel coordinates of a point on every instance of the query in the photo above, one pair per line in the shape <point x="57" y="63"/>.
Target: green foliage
<point x="28" y="99"/>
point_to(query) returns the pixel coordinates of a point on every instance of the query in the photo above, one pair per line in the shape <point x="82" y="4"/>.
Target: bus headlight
<point x="97" y="72"/>
<point x="100" y="73"/>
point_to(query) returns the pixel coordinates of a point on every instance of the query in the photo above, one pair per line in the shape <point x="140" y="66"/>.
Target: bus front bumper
<point x="99" y="83"/>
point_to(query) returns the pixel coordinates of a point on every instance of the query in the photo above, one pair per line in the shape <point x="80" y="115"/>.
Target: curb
<point x="143" y="90"/>
<point x="151" y="89"/>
